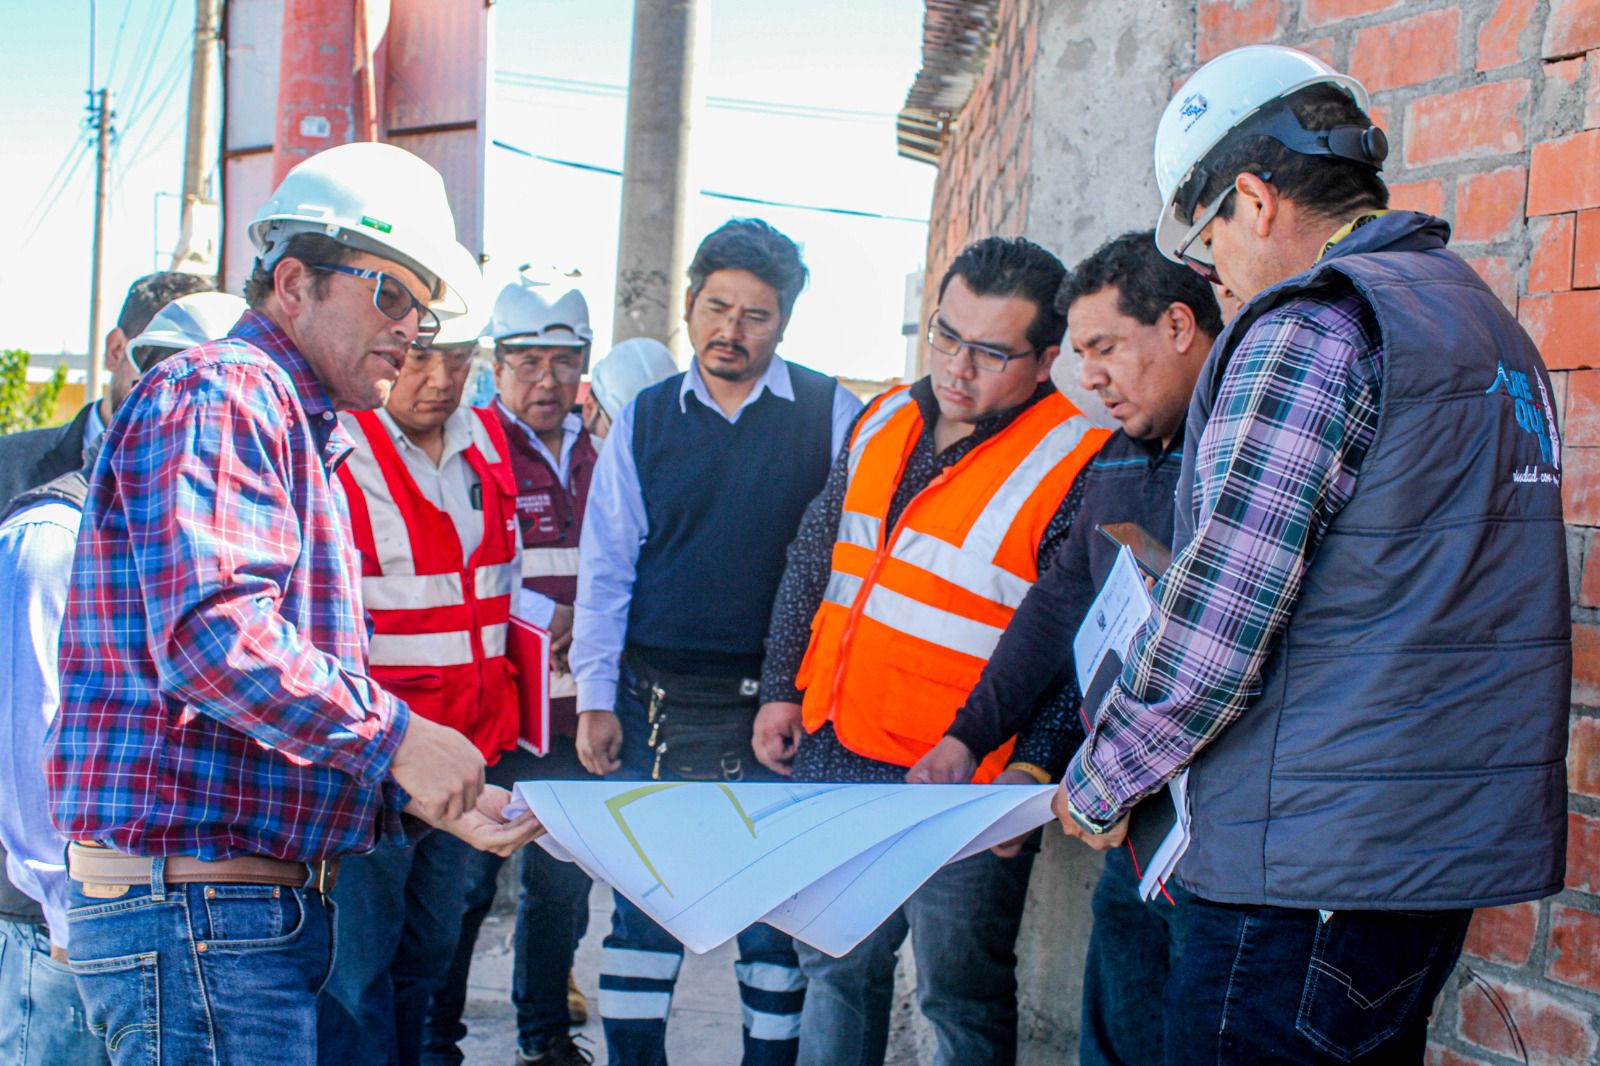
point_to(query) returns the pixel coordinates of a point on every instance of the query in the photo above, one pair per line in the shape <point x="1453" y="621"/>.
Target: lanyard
<point x="1349" y="228"/>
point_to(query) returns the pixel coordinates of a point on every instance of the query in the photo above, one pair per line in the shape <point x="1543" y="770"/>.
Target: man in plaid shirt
<point x="1362" y="651"/>
<point x="220" y="744"/>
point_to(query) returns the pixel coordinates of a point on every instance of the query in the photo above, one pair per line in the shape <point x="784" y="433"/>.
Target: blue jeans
<point x="42" y="1022"/>
<point x="399" y="915"/>
<point x="963" y="923"/>
<point x="1264" y="985"/>
<point x="1131" y="950"/>
<point x="220" y="974"/>
<point x="639" y="961"/>
<point x="552" y="915"/>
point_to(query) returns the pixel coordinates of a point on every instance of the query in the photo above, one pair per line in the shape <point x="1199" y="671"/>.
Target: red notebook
<point x="528" y="648"/>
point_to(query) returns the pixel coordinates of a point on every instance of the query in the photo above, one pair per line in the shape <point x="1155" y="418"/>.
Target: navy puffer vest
<point x="1407" y="746"/>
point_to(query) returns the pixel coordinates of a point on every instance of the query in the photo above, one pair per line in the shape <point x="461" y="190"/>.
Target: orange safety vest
<point x="912" y="614"/>
<point x="439" y="623"/>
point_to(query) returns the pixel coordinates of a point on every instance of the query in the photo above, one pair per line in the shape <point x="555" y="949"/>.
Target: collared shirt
<point x="214" y="694"/>
<point x="615" y="527"/>
<point x="36" y="547"/>
<point x="93" y="430"/>
<point x="1295" y="413"/>
<point x="571" y="429"/>
<point x="449" y="485"/>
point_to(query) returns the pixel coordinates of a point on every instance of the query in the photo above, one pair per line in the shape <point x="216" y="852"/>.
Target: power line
<point x="83" y="153"/>
<point x="137" y="100"/>
<point x="116" y="47"/>
<point x="779" y="108"/>
<point x="596" y="168"/>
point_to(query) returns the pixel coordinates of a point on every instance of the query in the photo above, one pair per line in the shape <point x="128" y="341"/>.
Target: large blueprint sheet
<point x="825" y="863"/>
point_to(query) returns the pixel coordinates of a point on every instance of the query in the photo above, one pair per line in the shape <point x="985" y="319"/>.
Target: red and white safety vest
<point x="439" y="637"/>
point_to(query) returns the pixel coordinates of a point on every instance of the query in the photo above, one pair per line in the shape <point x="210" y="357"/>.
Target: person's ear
<point x="291" y="283"/>
<point x="688" y="302"/>
<point x="1047" y="359"/>
<point x="1260" y="199"/>
<point x="1179" y="325"/>
<point x="116" y="349"/>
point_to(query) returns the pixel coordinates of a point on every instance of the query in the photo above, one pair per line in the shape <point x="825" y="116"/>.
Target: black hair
<point x="1329" y="186"/>
<point x="1014" y="266"/>
<point x="153" y="292"/>
<point x="753" y="245"/>
<point x="1147" y="282"/>
<point x="309" y="248"/>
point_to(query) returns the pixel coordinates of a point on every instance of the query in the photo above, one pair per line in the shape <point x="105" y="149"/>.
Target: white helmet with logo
<point x="184" y="323"/>
<point x="377" y="198"/>
<point x="629" y="369"/>
<point x="530" y="313"/>
<point x="1217" y="99"/>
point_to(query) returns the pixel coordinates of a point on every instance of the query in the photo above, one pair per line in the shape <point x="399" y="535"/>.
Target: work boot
<point x="564" y="1051"/>
<point x="577" y="1002"/>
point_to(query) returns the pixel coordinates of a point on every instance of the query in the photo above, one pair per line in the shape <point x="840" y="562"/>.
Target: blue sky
<point x="854" y="56"/>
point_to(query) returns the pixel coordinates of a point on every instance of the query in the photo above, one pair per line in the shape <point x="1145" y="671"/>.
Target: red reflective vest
<point x="912" y="614"/>
<point x="439" y="636"/>
<point x="552" y="520"/>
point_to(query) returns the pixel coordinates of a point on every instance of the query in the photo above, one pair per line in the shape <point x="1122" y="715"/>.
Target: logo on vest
<point x="1535" y="416"/>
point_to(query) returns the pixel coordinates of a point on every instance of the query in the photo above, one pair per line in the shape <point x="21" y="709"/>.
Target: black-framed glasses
<point x="528" y="365"/>
<point x="1202" y="264"/>
<point x="946" y="341"/>
<point x="390" y="296"/>
<point x="456" y="357"/>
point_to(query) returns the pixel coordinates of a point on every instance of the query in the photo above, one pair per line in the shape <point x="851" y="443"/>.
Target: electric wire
<point x="83" y="153"/>
<point x="137" y="100"/>
<point x="776" y="108"/>
<point x="116" y="45"/>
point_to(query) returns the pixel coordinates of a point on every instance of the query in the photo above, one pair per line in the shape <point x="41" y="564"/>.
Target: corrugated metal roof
<point x="956" y="35"/>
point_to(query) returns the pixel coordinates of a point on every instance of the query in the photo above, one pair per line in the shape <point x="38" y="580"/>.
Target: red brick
<point x="1503" y="934"/>
<point x="1320" y="11"/>
<point x="1591" y="105"/>
<point x="1566" y="327"/>
<point x="1443" y="1056"/>
<point x="1476" y="121"/>
<point x="1550" y="269"/>
<point x="1555" y="1033"/>
<point x="1585" y="637"/>
<point x="1583" y="743"/>
<point x="1586" y="251"/>
<point x="1407" y="51"/>
<point x="1500" y="36"/>
<point x="1573" y="26"/>
<point x="1424" y="196"/>
<point x="1495" y="270"/>
<point x="1583" y="421"/>
<point x="1583" y="852"/>
<point x="1379" y="116"/>
<point x="1226" y="24"/>
<point x="1565" y="174"/>
<point x="1322" y="48"/>
<point x="1574" y="947"/>
<point x="1489" y="206"/>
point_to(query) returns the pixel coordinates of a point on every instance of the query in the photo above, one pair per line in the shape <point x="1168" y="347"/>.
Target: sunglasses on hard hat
<point x="390" y="296"/>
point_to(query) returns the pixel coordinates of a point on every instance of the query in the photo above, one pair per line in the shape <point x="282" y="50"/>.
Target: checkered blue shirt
<point x="214" y="694"/>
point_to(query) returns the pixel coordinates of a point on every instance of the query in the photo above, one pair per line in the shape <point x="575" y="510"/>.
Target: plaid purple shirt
<point x="1295" y="413"/>
<point x="214" y="695"/>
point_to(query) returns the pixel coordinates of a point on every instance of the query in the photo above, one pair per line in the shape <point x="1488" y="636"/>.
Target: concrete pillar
<point x="651" y="253"/>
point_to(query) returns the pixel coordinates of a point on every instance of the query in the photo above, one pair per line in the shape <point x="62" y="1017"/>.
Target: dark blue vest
<point x="1407" y="746"/>
<point x="723" y="502"/>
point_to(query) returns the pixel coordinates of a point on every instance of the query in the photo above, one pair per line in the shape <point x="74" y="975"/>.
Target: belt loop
<point x="158" y="878"/>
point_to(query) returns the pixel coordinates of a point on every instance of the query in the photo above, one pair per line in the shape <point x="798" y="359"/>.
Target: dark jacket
<point x="1406" y="748"/>
<point x="36" y="456"/>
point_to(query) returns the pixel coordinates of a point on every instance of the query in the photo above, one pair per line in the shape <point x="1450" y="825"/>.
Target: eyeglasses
<point x="420" y="357"/>
<point x="564" y="368"/>
<point x="391" y="296"/>
<point x="946" y="341"/>
<point x="755" y="324"/>
<point x="1202" y="264"/>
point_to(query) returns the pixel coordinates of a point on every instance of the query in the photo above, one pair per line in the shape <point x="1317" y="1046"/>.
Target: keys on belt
<point x="106" y="873"/>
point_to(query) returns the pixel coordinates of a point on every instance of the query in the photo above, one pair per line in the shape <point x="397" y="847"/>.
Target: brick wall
<point x="1493" y="113"/>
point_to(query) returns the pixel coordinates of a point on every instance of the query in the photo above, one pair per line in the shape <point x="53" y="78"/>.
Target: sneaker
<point x="565" y="1051"/>
<point x="577" y="1002"/>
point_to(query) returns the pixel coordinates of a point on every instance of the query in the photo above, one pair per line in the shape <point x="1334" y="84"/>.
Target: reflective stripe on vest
<point x="909" y="619"/>
<point x="549" y="562"/>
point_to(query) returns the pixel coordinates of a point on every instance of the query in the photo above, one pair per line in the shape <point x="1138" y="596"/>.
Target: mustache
<point x="730" y="346"/>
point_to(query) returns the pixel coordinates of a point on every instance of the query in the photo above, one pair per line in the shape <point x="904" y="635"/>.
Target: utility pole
<point x="655" y="172"/>
<point x="102" y="122"/>
<point x="198" y="250"/>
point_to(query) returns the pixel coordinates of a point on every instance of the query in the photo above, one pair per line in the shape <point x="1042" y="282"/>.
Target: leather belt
<point x="91" y="865"/>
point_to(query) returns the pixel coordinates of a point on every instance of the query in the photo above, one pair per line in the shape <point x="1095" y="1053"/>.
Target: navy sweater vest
<point x="723" y="502"/>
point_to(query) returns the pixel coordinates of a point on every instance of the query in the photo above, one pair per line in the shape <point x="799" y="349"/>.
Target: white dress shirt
<point x="615" y="527"/>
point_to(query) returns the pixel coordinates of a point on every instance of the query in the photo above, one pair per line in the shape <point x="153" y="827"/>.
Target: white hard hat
<point x="629" y="369"/>
<point x="186" y="322"/>
<point x="377" y="198"/>
<point x="1218" y="98"/>
<point x="529" y="311"/>
<point x="459" y="329"/>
